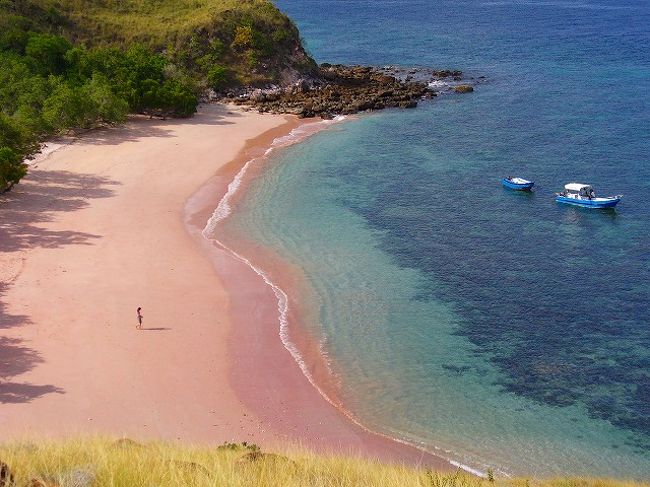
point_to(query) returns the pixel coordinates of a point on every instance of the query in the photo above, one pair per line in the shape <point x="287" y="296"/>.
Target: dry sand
<point x="93" y="232"/>
<point x="100" y="227"/>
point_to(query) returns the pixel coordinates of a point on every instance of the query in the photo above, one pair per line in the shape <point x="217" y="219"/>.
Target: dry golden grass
<point x="106" y="462"/>
<point x="155" y="22"/>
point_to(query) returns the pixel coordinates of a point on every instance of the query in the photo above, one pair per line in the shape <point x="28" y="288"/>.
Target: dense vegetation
<point x="126" y="463"/>
<point x="49" y="86"/>
<point x="68" y="64"/>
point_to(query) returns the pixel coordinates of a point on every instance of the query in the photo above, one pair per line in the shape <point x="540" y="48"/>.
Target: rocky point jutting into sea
<point x="343" y="90"/>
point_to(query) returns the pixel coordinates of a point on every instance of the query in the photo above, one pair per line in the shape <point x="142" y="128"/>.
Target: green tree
<point x="67" y="106"/>
<point x="177" y="99"/>
<point x="108" y="107"/>
<point x="71" y="106"/>
<point x="14" y="75"/>
<point x="15" y="136"/>
<point x="247" y="38"/>
<point x="31" y="121"/>
<point x="170" y="98"/>
<point x="9" y="133"/>
<point x="213" y="55"/>
<point x="14" y="39"/>
<point x="218" y="77"/>
<point x="134" y="73"/>
<point x="11" y="168"/>
<point x="47" y="53"/>
<point x="149" y="96"/>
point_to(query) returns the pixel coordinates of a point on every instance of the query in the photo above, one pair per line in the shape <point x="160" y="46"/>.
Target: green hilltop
<point x="69" y="64"/>
<point x="251" y="37"/>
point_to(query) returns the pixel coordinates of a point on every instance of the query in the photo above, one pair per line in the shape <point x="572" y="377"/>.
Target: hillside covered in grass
<point x="70" y="64"/>
<point x="251" y="38"/>
<point x="104" y="462"/>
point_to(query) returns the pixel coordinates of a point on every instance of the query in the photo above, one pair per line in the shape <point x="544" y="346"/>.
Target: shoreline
<point x="94" y="231"/>
<point x="332" y="428"/>
<point x="100" y="227"/>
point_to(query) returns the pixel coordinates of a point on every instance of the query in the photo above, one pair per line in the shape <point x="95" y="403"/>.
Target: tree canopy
<point x="49" y="86"/>
<point x="67" y="64"/>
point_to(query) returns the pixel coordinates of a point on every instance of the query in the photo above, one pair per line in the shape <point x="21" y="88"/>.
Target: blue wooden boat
<point x="519" y="184"/>
<point x="579" y="194"/>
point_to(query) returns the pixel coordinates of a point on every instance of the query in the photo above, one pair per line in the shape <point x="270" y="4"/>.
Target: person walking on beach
<point x="139" y="325"/>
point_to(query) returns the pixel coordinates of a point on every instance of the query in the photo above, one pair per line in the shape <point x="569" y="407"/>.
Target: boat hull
<point x="595" y="203"/>
<point x="518" y="187"/>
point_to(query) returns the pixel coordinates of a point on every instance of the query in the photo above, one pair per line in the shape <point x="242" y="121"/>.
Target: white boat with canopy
<point x="581" y="194"/>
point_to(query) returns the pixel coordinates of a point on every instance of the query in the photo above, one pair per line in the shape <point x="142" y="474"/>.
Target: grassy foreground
<point x="105" y="462"/>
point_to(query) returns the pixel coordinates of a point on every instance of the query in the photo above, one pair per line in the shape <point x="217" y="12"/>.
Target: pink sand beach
<point x="114" y="221"/>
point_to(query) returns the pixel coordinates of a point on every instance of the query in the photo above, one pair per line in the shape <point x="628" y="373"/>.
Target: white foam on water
<point x="466" y="468"/>
<point x="439" y="84"/>
<point x="224" y="209"/>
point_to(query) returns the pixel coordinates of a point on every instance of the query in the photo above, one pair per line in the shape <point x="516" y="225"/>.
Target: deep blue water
<point x="501" y="328"/>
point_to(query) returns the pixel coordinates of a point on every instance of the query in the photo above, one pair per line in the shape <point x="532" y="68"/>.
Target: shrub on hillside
<point x="218" y="77"/>
<point x="47" y="53"/>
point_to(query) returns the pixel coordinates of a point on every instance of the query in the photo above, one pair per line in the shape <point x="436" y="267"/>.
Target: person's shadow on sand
<point x="154" y="329"/>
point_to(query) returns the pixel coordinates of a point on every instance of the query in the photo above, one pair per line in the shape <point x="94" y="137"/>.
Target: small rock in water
<point x="464" y="89"/>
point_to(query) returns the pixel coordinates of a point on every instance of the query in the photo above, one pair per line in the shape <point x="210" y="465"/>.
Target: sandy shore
<point x="99" y="228"/>
<point x="93" y="232"/>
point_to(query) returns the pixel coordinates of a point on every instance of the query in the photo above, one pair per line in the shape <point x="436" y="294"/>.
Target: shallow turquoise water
<point x="500" y="328"/>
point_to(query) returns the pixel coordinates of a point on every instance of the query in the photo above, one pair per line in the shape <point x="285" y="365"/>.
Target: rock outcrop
<point x="341" y="90"/>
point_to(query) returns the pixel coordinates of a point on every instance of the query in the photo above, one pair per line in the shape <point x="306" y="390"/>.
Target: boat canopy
<point x="518" y="180"/>
<point x="577" y="187"/>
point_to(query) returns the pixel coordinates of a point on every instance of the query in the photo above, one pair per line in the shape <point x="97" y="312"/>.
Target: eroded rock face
<point x="341" y="90"/>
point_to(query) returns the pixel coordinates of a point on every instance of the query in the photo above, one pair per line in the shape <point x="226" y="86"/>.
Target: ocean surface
<point x="498" y="329"/>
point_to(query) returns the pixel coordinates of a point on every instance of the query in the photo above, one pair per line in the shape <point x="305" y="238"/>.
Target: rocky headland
<point x="343" y="90"/>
